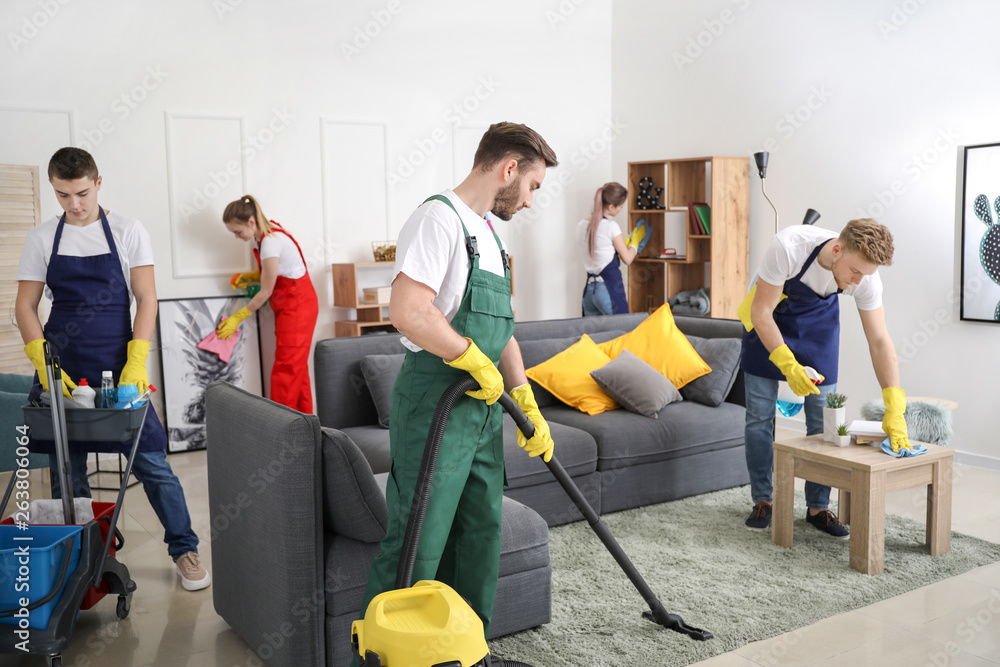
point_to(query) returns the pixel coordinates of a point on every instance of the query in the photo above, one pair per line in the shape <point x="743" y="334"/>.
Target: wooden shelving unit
<point x="718" y="260"/>
<point x="347" y="294"/>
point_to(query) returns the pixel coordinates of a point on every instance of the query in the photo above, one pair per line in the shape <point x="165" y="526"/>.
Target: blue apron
<point x="90" y="326"/>
<point x="810" y="325"/>
<point x="612" y="277"/>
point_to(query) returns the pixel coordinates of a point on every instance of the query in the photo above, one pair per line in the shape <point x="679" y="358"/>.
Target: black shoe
<point x="828" y="522"/>
<point x="760" y="518"/>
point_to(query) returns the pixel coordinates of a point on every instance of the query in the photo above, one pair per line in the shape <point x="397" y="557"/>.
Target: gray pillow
<point x="723" y="356"/>
<point x="636" y="385"/>
<point x="353" y="505"/>
<point x="380" y="371"/>
<point x="534" y="352"/>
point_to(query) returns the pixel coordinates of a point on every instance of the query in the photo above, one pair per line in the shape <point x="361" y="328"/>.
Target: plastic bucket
<point x="34" y="566"/>
<point x="102" y="514"/>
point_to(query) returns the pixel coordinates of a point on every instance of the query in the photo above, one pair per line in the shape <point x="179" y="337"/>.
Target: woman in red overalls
<point x="284" y="279"/>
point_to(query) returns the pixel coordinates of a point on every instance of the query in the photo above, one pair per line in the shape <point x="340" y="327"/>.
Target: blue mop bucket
<point x="35" y="564"/>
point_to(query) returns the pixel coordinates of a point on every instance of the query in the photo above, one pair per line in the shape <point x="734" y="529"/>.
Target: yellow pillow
<point x="659" y="343"/>
<point x="567" y="376"/>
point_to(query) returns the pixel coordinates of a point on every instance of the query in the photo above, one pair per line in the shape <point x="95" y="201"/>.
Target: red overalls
<point x="295" y="311"/>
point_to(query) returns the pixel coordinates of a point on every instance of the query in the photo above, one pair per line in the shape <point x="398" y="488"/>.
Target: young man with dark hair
<point x="92" y="263"/>
<point x="794" y="322"/>
<point x="451" y="301"/>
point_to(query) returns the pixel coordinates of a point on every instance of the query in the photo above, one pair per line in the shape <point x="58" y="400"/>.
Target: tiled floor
<point x="954" y="622"/>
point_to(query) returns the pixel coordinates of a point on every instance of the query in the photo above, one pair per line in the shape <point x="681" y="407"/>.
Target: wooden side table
<point x="863" y="474"/>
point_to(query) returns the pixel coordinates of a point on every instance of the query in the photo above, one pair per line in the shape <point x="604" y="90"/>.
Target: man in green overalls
<point x="451" y="301"/>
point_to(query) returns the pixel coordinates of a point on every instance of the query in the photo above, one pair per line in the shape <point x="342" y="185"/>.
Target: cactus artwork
<point x="989" y="247"/>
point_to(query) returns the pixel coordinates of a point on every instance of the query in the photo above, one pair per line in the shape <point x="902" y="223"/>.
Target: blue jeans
<point x="596" y="299"/>
<point x="164" y="490"/>
<point x="761" y="394"/>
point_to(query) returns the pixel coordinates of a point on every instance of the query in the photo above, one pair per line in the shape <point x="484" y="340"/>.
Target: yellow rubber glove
<point x="135" y="367"/>
<point x="636" y="237"/>
<point x="541" y="443"/>
<point x="486" y="373"/>
<point x="241" y="280"/>
<point x="228" y="326"/>
<point x="795" y="373"/>
<point x="893" y="422"/>
<point x="743" y="312"/>
<point x="36" y="353"/>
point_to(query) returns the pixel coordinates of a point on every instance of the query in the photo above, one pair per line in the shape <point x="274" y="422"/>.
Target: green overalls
<point x="460" y="542"/>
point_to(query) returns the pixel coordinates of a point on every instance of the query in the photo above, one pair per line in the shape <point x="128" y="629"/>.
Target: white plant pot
<point x="832" y="418"/>
<point x="842" y="440"/>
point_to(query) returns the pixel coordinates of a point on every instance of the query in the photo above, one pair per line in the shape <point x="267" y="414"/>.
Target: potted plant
<point x="834" y="413"/>
<point x="842" y="439"/>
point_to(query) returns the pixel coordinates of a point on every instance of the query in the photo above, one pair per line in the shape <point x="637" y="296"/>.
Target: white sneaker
<point x="194" y="576"/>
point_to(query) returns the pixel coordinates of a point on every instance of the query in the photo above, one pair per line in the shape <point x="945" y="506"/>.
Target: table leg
<point x="844" y="506"/>
<point x="868" y="525"/>
<point x="784" y="499"/>
<point x="939" y="508"/>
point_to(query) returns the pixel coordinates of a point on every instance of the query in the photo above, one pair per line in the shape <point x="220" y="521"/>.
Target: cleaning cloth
<point x="645" y="239"/>
<point x="916" y="451"/>
<point x="221" y="346"/>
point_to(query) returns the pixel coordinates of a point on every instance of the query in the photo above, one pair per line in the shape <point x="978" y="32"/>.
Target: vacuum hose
<point x="421" y="494"/>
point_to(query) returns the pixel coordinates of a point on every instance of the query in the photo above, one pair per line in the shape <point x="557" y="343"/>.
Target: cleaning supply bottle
<point x="107" y="390"/>
<point x="84" y="394"/>
<point x="789" y="403"/>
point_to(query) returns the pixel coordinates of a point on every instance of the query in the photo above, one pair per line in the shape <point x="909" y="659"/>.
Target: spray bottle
<point x="789" y="403"/>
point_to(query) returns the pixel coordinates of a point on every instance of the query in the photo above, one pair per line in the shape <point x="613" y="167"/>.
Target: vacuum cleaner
<point x="428" y="624"/>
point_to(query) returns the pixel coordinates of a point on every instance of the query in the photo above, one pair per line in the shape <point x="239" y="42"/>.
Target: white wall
<point x="863" y="107"/>
<point x="340" y="117"/>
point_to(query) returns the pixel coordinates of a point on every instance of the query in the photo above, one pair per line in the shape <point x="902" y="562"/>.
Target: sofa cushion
<point x="380" y="371"/>
<point x="534" y="352"/>
<point x="685" y="427"/>
<point x="567" y="377"/>
<point x="576" y="450"/>
<point x="373" y="441"/>
<point x="659" y="343"/>
<point x="353" y="506"/>
<point x="723" y="356"/>
<point x="636" y="385"/>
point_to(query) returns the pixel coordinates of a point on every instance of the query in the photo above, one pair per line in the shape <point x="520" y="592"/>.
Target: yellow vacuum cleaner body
<point x="425" y="625"/>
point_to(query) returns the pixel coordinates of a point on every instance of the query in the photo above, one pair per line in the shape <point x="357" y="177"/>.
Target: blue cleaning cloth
<point x="645" y="239"/>
<point x="916" y="451"/>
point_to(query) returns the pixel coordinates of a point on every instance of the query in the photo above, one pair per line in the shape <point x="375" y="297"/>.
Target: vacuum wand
<point x="657" y="613"/>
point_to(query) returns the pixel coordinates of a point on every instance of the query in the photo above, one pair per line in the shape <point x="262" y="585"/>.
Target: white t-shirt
<point x="604" y="249"/>
<point x="788" y="252"/>
<point x="431" y="250"/>
<point x="131" y="240"/>
<point x="279" y="245"/>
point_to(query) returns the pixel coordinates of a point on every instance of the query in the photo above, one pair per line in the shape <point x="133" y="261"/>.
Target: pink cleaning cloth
<point x="221" y="346"/>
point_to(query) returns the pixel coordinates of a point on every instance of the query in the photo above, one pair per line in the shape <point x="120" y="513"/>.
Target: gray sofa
<point x="619" y="459"/>
<point x="297" y="516"/>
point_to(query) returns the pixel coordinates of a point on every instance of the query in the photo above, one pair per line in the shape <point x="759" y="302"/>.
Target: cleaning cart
<point x="48" y="573"/>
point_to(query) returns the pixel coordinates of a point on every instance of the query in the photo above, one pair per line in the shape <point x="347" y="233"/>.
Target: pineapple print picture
<point x="989" y="247"/>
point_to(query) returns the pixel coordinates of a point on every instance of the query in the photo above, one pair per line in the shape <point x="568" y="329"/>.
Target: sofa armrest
<point x="264" y="492"/>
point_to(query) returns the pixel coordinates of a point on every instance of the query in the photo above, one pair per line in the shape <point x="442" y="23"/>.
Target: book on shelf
<point x="700" y="217"/>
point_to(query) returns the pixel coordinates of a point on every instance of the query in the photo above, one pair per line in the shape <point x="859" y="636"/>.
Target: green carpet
<point x="705" y="566"/>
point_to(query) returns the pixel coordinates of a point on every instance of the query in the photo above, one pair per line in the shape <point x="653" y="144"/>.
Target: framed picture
<point x="188" y="369"/>
<point x="981" y="234"/>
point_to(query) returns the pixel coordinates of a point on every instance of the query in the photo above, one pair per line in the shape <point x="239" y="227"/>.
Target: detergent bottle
<point x="84" y="394"/>
<point x="107" y="390"/>
<point x="789" y="403"/>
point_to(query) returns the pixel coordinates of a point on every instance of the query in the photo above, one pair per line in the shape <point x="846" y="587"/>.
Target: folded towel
<point x="916" y="451"/>
<point x="221" y="346"/>
<point x="50" y="512"/>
